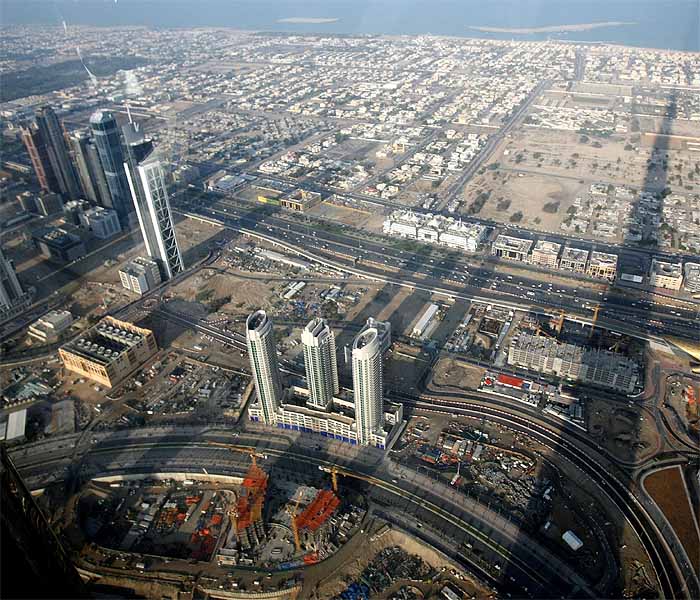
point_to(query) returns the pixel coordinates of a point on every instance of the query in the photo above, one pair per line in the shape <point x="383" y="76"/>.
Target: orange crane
<point x="596" y="310"/>
<point x="560" y="322"/>
<point x="293" y="518"/>
<point x="249" y="450"/>
<point x="333" y="470"/>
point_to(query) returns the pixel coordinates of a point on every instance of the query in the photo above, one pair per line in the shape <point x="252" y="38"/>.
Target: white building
<point x="602" y="265"/>
<point x="320" y="361"/>
<point x="150" y="195"/>
<point x="574" y="260"/>
<point x="140" y="275"/>
<point x="103" y="222"/>
<point x="262" y="352"/>
<point x="425" y="320"/>
<point x="367" y="378"/>
<point x="435" y="229"/>
<point x="692" y="277"/>
<point x="665" y="275"/>
<point x="51" y="325"/>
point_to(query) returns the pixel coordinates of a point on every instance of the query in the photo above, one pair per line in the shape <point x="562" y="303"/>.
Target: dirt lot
<point x="450" y="372"/>
<point x="668" y="489"/>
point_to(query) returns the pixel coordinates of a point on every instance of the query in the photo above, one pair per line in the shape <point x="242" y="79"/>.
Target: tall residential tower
<point x="146" y="178"/>
<point x="107" y="140"/>
<point x="262" y="352"/>
<point x="320" y="361"/>
<point x="368" y="383"/>
<point x="54" y="138"/>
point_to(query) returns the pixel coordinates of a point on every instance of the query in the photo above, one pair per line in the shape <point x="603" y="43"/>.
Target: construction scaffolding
<point x="250" y="528"/>
<point x="319" y="511"/>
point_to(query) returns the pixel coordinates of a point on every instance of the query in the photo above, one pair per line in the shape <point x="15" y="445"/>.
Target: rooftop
<point x="666" y="269"/>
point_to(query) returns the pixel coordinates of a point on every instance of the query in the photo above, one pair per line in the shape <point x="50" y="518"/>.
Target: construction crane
<point x="333" y="470"/>
<point x="249" y="450"/>
<point x="596" y="310"/>
<point x="560" y="322"/>
<point x="293" y="518"/>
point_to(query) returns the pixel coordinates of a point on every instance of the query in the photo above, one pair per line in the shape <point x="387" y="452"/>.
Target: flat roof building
<point x="692" y="277"/>
<point x="574" y="259"/>
<point x="300" y="200"/>
<point x="511" y="248"/>
<point x="602" y="266"/>
<point x="109" y="352"/>
<point x="103" y="222"/>
<point x="665" y="274"/>
<point x="51" y="325"/>
<point x="59" y="245"/>
<point x="140" y="275"/>
<point x="546" y="254"/>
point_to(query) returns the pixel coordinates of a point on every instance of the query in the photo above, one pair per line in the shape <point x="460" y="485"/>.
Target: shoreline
<point x="553" y="28"/>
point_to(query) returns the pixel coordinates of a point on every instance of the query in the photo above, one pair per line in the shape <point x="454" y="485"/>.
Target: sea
<point x="664" y="24"/>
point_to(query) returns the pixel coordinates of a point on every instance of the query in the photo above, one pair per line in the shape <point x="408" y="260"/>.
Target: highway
<point x="526" y="563"/>
<point x="453" y="274"/>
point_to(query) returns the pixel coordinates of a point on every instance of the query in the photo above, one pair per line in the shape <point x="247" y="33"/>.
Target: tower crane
<point x="293" y="518"/>
<point x="596" y="310"/>
<point x="333" y="470"/>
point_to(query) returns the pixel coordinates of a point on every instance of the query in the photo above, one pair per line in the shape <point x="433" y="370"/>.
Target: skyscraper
<point x="320" y="361"/>
<point x="54" y="137"/>
<point x="105" y="134"/>
<point x="13" y="298"/>
<point x="39" y="155"/>
<point x="367" y="379"/>
<point x="79" y="142"/>
<point x="144" y="173"/>
<point x="262" y="352"/>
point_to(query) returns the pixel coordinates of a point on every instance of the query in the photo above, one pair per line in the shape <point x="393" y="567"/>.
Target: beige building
<point x="545" y="254"/>
<point x="574" y="259"/>
<point x="666" y="275"/>
<point x="511" y="248"/>
<point x="109" y="351"/>
<point x="602" y="266"/>
<point x="300" y="200"/>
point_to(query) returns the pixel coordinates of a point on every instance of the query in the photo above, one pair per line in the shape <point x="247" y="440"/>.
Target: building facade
<point x="146" y="180"/>
<point x="79" y="143"/>
<point x="262" y="352"/>
<point x="602" y="265"/>
<point x="691" y="278"/>
<point x="58" y="245"/>
<point x="107" y="141"/>
<point x="546" y="254"/>
<point x="39" y="156"/>
<point x="103" y="222"/>
<point x="51" y="325"/>
<point x="109" y="352"/>
<point x="320" y="362"/>
<point x="511" y="248"/>
<point x="597" y="367"/>
<point x="13" y="299"/>
<point x="54" y="138"/>
<point x="368" y="384"/>
<point x="140" y="275"/>
<point x="574" y="260"/>
<point x="666" y="275"/>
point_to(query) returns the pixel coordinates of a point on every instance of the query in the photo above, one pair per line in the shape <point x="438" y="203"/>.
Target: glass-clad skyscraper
<point x="262" y="352"/>
<point x="320" y="361"/>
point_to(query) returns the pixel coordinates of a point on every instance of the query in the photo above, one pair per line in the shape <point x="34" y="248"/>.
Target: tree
<point x="516" y="217"/>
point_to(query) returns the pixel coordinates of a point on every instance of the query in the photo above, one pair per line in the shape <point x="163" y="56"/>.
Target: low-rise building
<point x="602" y="266"/>
<point x="546" y="254"/>
<point x="436" y="229"/>
<point x="103" y="222"/>
<point x="692" y="277"/>
<point x="574" y="260"/>
<point x="597" y="367"/>
<point x="140" y="275"/>
<point x="58" y="245"/>
<point x="665" y="274"/>
<point x="109" y="352"/>
<point x="49" y="327"/>
<point x="300" y="200"/>
<point x="511" y="248"/>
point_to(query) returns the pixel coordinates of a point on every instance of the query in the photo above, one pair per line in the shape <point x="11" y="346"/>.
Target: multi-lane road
<point x="453" y="273"/>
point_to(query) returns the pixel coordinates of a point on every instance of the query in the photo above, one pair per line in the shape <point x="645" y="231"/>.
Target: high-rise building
<point x="320" y="361"/>
<point x="367" y="379"/>
<point x="79" y="142"/>
<point x="262" y="352"/>
<point x="54" y="137"/>
<point x="39" y="155"/>
<point x="13" y="298"/>
<point x="144" y="172"/>
<point x="95" y="165"/>
<point x="107" y="140"/>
